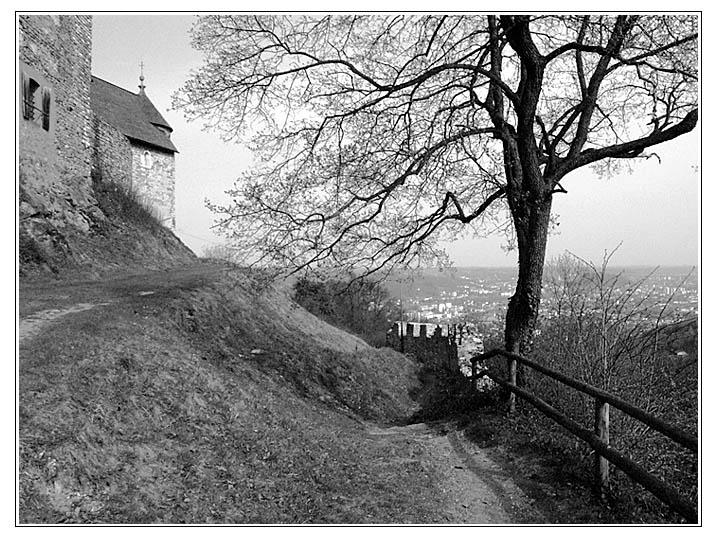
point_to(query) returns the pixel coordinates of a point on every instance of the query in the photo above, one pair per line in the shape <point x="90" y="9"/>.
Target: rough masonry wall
<point x="436" y="349"/>
<point x="55" y="183"/>
<point x="111" y="154"/>
<point x="154" y="180"/>
<point x="37" y="145"/>
<point x="60" y="48"/>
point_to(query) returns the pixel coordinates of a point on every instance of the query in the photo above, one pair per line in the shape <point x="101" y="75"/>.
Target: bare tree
<point x="378" y="136"/>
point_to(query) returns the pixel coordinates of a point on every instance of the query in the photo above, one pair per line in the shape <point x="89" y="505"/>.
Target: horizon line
<point x="640" y="265"/>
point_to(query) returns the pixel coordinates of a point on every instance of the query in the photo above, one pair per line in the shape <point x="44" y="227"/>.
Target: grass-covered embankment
<point x="154" y="409"/>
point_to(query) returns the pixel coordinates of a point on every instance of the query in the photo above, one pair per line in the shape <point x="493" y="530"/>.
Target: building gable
<point x="132" y="114"/>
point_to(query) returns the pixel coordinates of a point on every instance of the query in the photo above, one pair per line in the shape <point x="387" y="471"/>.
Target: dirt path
<point x="478" y="491"/>
<point x="33" y="324"/>
<point x="45" y="302"/>
<point x="469" y="487"/>
<point x="40" y="295"/>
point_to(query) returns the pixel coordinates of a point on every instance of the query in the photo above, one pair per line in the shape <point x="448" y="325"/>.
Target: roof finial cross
<point x="141" y="77"/>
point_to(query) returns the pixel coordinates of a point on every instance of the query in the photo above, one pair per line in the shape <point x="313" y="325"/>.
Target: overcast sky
<point x="654" y="211"/>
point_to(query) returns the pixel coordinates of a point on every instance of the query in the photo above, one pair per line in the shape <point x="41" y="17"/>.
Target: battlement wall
<point x="428" y="343"/>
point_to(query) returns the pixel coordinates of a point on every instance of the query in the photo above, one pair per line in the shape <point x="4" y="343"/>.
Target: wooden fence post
<point x="599" y="438"/>
<point x="512" y="379"/>
<point x="602" y="430"/>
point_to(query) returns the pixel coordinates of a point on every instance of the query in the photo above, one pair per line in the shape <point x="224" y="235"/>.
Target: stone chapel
<point x="73" y="126"/>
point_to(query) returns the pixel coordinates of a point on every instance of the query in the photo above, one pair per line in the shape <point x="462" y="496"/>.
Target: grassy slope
<point x="154" y="409"/>
<point x="124" y="236"/>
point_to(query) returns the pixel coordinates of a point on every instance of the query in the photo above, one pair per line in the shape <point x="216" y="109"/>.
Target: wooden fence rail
<point x="599" y="439"/>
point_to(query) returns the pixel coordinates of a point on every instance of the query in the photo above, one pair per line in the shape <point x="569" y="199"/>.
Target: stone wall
<point x="153" y="180"/>
<point x="59" y="47"/>
<point x="54" y="164"/>
<point x="437" y="349"/>
<point x="111" y="154"/>
<point x="35" y="140"/>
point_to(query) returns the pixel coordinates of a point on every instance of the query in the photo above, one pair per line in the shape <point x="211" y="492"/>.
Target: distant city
<point x="479" y="297"/>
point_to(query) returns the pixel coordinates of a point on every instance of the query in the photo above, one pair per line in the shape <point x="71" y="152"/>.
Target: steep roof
<point x="133" y="114"/>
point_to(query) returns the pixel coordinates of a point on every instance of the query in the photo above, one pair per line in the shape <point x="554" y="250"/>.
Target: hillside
<point x="90" y="233"/>
<point x="158" y="388"/>
<point x="201" y="395"/>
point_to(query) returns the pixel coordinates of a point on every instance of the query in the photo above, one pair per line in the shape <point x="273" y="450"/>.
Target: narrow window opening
<point x="46" y="100"/>
<point x="29" y="90"/>
<point x="36" y="102"/>
<point x="146" y="159"/>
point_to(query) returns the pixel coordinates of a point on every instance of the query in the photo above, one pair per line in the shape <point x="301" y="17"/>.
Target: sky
<point x="653" y="211"/>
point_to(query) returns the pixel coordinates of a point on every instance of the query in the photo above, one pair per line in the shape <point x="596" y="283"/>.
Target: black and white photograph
<point x="359" y="268"/>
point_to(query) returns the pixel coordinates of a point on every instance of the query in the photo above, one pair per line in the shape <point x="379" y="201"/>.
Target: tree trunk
<point x="529" y="193"/>
<point x="531" y="222"/>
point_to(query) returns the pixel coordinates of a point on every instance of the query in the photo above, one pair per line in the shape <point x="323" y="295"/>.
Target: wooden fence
<point x="599" y="439"/>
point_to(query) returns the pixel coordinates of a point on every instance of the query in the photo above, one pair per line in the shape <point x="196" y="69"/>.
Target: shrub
<point x="30" y="253"/>
<point x="615" y="335"/>
<point x="220" y="253"/>
<point x="117" y="200"/>
<point x="363" y="307"/>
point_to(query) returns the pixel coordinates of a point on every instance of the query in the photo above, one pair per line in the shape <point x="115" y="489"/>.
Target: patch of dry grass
<point x="229" y="320"/>
<point x="555" y="470"/>
<point x="154" y="410"/>
<point x="120" y="234"/>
